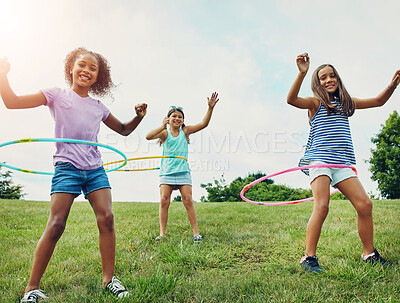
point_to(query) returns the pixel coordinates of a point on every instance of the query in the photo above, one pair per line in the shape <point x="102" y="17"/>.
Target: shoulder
<point x="52" y="93"/>
<point x="99" y="104"/>
<point x="314" y="102"/>
<point x="164" y="135"/>
<point x="96" y="101"/>
<point x="314" y="105"/>
<point x="57" y="92"/>
<point x="186" y="132"/>
<point x="310" y="103"/>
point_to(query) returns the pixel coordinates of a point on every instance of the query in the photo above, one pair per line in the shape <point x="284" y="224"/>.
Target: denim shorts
<point x="335" y="174"/>
<point x="69" y="179"/>
<point x="177" y="179"/>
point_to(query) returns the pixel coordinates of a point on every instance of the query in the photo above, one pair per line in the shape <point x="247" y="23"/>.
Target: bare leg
<point x="320" y="189"/>
<point x="59" y="210"/>
<point x="186" y="192"/>
<point x="101" y="204"/>
<point x="354" y="191"/>
<point x="165" y="200"/>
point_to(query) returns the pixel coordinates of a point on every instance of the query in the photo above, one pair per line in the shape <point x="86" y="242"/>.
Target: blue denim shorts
<point x="335" y="174"/>
<point x="177" y="179"/>
<point x="68" y="179"/>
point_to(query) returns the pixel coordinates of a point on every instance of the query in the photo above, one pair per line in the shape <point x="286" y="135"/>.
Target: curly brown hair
<point x="104" y="84"/>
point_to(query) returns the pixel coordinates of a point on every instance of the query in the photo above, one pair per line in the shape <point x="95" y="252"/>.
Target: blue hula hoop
<point x="28" y="140"/>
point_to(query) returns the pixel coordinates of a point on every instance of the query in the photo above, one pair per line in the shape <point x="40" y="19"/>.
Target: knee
<point x="322" y="209"/>
<point x="56" y="228"/>
<point x="187" y="200"/>
<point x="165" y="201"/>
<point x="364" y="207"/>
<point x="105" y="221"/>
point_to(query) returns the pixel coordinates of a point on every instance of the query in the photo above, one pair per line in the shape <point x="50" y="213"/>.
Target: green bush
<point x="266" y="190"/>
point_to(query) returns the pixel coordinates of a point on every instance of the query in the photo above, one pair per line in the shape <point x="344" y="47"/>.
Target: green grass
<point x="250" y="254"/>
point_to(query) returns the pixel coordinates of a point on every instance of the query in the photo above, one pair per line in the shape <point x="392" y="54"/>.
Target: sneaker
<point x="311" y="265"/>
<point x="197" y="238"/>
<point x="159" y="238"/>
<point x="33" y="295"/>
<point x="376" y="259"/>
<point x="116" y="288"/>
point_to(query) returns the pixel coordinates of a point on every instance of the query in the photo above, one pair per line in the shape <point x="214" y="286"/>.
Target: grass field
<point x="250" y="254"/>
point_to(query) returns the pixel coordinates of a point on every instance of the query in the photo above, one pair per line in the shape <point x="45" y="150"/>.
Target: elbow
<point x="12" y="103"/>
<point x="124" y="131"/>
<point x="204" y="124"/>
<point x="290" y="99"/>
<point x="7" y="103"/>
<point x="380" y="102"/>
<point x="10" y="106"/>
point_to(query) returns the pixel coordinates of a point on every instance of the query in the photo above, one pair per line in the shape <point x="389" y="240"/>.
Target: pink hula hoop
<point x="288" y="171"/>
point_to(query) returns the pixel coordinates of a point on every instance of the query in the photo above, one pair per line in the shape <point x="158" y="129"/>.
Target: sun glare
<point x="14" y="18"/>
<point x="7" y="11"/>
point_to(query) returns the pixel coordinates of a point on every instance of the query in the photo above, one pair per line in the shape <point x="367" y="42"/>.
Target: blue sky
<point x="177" y="53"/>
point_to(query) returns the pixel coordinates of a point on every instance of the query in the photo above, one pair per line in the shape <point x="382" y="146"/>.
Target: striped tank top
<point x="329" y="140"/>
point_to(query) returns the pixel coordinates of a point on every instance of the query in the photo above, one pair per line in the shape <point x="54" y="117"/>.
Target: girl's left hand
<point x="213" y="100"/>
<point x="396" y="80"/>
<point x="141" y="109"/>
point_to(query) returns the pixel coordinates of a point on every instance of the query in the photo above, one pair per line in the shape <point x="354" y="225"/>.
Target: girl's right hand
<point x="4" y="66"/>
<point x="165" y="122"/>
<point x="303" y="63"/>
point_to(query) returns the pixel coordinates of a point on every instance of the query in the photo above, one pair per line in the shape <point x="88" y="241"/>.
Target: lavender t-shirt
<point x="76" y="118"/>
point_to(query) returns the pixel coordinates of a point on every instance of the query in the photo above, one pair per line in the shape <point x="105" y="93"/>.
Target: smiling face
<point x="84" y="73"/>
<point x="328" y="79"/>
<point x="176" y="119"/>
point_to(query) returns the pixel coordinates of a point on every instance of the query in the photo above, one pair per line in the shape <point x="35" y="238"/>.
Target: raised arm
<point x="126" y="128"/>
<point x="382" y="97"/>
<point x="159" y="132"/>
<point x="190" y="129"/>
<point x="303" y="64"/>
<point x="10" y="99"/>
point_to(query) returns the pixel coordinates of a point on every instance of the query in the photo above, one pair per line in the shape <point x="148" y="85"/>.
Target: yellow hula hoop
<point x="143" y="158"/>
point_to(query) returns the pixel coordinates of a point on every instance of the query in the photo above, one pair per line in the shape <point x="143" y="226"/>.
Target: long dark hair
<point x="347" y="104"/>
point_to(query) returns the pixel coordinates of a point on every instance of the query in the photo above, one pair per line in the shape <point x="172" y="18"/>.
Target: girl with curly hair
<point x="78" y="167"/>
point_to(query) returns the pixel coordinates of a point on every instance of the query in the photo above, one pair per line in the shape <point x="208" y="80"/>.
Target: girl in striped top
<point x="330" y="142"/>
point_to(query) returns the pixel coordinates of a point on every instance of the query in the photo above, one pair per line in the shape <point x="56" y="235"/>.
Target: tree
<point x="263" y="191"/>
<point x="177" y="199"/>
<point x="7" y="189"/>
<point x="221" y="192"/>
<point x="385" y="158"/>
